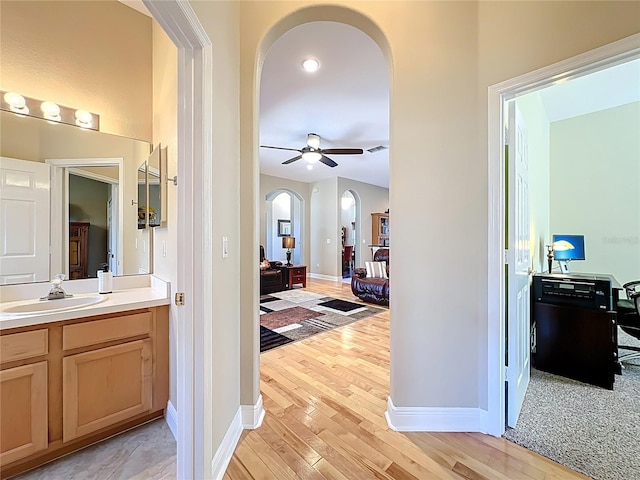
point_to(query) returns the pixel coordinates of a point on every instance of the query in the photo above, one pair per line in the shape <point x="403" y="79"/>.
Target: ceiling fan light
<point x="313" y="140"/>
<point x="312" y="157"/>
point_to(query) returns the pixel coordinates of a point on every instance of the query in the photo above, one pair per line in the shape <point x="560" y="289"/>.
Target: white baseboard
<point x="320" y="276"/>
<point x="252" y="415"/>
<point x="171" y="417"/>
<point x="228" y="445"/>
<point x="435" y="419"/>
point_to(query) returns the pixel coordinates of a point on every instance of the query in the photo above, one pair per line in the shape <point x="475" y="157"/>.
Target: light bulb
<point x="17" y="102"/>
<point x="84" y="119"/>
<point x="312" y="157"/>
<point x="313" y="140"/>
<point x="50" y="111"/>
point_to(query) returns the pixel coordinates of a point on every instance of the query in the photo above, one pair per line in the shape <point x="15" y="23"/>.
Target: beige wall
<point x="373" y="199"/>
<point x="165" y="133"/>
<point x="322" y="214"/>
<point x="223" y="350"/>
<point x="81" y="54"/>
<point x="595" y="188"/>
<point x="443" y="56"/>
<point x="268" y="184"/>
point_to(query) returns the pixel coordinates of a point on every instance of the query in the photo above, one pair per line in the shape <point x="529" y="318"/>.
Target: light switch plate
<point x="225" y="247"/>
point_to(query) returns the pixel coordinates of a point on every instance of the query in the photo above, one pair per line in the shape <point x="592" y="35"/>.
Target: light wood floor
<point x="325" y="399"/>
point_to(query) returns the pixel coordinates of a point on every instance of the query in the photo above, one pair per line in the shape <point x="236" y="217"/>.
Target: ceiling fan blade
<point x="291" y="160"/>
<point x="342" y="151"/>
<point x="327" y="161"/>
<point x="281" y="148"/>
<point x="377" y="149"/>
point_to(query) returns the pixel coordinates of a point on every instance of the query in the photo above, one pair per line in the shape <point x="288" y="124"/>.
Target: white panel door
<point x="24" y="221"/>
<point x="519" y="263"/>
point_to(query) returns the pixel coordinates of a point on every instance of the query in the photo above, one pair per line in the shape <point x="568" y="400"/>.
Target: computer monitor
<point x="567" y="248"/>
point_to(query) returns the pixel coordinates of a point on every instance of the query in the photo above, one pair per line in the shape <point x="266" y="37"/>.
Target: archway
<point x="250" y="394"/>
<point x="350" y="227"/>
<point x="282" y="206"/>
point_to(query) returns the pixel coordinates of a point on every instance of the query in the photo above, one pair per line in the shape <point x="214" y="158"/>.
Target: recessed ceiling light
<point x="311" y="64"/>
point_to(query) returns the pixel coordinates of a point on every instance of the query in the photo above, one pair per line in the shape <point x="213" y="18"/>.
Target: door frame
<point x="195" y="204"/>
<point x="606" y="56"/>
<point x="60" y="170"/>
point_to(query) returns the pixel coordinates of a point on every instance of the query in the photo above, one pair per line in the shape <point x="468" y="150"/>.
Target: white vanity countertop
<point x="155" y="293"/>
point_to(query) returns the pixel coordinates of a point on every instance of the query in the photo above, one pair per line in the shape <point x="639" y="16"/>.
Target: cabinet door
<point x="23" y="411"/>
<point x="106" y="386"/>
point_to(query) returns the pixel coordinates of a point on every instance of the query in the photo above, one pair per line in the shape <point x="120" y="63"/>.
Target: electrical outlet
<point x="364" y="240"/>
<point x="328" y="240"/>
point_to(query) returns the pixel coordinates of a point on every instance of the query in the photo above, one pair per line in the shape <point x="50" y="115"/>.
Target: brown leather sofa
<point x="271" y="279"/>
<point x="372" y="290"/>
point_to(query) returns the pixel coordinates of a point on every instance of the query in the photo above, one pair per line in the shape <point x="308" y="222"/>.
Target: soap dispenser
<point x="105" y="279"/>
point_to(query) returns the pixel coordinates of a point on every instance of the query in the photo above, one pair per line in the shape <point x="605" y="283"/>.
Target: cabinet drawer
<point x="298" y="272"/>
<point x="298" y="278"/>
<point x="18" y="346"/>
<point x="107" y="330"/>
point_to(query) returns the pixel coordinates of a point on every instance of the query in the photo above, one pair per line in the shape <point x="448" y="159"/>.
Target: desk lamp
<point x="549" y="256"/>
<point x="288" y="243"/>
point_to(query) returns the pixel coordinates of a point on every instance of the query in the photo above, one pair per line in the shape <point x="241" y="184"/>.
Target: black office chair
<point x="629" y="318"/>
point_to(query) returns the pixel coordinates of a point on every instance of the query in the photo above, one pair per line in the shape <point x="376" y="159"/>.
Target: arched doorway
<point x="284" y="216"/>
<point x="350" y="228"/>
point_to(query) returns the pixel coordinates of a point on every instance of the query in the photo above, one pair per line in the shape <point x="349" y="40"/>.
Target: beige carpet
<point x="589" y="429"/>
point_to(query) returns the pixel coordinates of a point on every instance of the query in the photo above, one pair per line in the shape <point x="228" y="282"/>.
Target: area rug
<point x="586" y="428"/>
<point x="293" y="315"/>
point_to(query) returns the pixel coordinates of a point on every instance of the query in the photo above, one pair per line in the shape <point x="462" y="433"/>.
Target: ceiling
<point x="346" y="101"/>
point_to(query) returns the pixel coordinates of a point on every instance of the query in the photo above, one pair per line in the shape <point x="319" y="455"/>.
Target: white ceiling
<point x="607" y="88"/>
<point x="346" y="101"/>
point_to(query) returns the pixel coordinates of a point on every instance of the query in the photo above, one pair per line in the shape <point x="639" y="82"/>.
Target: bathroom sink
<point x="34" y="307"/>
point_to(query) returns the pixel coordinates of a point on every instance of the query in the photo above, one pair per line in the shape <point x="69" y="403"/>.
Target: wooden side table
<point x="294" y="275"/>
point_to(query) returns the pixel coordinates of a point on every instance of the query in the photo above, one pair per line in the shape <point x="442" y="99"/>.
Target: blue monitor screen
<point x="568" y="247"/>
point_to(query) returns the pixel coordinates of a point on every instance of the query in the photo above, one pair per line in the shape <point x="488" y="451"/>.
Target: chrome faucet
<point x="56" y="292"/>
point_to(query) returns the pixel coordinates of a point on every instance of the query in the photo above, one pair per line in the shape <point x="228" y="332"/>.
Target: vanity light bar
<point x="52" y="112"/>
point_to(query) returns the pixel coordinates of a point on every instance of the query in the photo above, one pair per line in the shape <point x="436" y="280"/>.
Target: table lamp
<point x="288" y="243"/>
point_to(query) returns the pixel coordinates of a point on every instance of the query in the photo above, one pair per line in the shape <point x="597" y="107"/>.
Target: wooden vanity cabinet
<point x="83" y="381"/>
<point x="23" y="395"/>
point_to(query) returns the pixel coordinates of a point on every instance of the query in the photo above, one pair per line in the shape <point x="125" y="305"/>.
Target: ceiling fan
<point x="313" y="153"/>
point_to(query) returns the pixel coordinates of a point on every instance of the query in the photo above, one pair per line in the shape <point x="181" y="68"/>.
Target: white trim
<point x="435" y="419"/>
<point x="253" y="415"/>
<point x="228" y="445"/>
<point x="598" y="59"/>
<point x="195" y="83"/>
<point x="78" y="172"/>
<point x="320" y="276"/>
<point x="171" y="417"/>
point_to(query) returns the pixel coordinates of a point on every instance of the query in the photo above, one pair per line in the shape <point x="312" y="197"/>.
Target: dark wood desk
<point x="293" y="275"/>
<point x="576" y="327"/>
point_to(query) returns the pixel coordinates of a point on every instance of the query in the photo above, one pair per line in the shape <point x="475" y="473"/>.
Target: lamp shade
<point x="288" y="242"/>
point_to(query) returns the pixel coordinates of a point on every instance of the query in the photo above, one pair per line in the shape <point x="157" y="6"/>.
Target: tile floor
<point x="147" y="452"/>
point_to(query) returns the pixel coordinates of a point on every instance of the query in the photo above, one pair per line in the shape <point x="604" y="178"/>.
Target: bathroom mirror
<point x="66" y="152"/>
<point x="157" y="187"/>
<point x="142" y="218"/>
